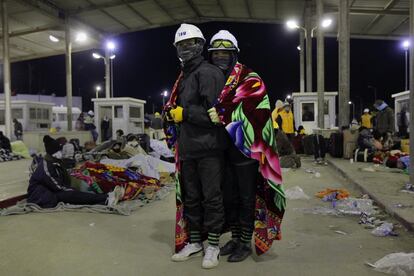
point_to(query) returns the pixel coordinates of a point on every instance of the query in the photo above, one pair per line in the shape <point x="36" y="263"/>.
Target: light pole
<point x="97" y="89"/>
<point x="406" y="47"/>
<point x="164" y="94"/>
<point x="108" y="61"/>
<point x="353" y="109"/>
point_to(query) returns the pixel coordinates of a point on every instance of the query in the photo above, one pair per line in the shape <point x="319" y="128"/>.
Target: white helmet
<point x="224" y="35"/>
<point x="90" y="113"/>
<point x="366" y="110"/>
<point x="188" y="31"/>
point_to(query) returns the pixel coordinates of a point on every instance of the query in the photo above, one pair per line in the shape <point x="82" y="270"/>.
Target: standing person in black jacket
<point x="200" y="145"/>
<point x="18" y="129"/>
<point x="50" y="183"/>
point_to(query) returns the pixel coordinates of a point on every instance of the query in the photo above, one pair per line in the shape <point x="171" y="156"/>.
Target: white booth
<point x="401" y="103"/>
<point x="60" y="117"/>
<point x="34" y="116"/>
<point x="305" y="109"/>
<point x="123" y="113"/>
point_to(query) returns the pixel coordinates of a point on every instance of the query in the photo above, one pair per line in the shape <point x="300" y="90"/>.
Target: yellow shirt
<point x="366" y="120"/>
<point x="287" y="122"/>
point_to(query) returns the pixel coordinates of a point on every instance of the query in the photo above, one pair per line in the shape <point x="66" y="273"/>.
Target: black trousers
<point x="81" y="198"/>
<point x="239" y="190"/>
<point x="203" y="201"/>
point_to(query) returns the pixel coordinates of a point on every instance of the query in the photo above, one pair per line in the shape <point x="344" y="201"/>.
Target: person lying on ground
<point x="50" y="183"/>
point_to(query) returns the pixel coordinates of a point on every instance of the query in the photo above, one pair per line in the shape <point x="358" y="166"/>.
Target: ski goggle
<point x="223" y="44"/>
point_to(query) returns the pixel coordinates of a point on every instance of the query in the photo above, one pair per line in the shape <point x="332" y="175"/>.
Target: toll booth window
<point x="45" y="114"/>
<point x="308" y="112"/>
<point x="32" y="112"/>
<point x="326" y="108"/>
<point x="17" y="113"/>
<point x="54" y="117"/>
<point x="2" y="119"/>
<point x="134" y="112"/>
<point x="38" y="113"/>
<point x="43" y="125"/>
<point x="118" y="111"/>
<point x="62" y="117"/>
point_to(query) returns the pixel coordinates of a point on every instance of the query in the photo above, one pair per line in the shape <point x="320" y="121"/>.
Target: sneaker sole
<point x="210" y="266"/>
<point x="196" y="254"/>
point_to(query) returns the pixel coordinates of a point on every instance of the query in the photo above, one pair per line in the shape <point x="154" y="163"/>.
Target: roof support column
<point x="343" y="63"/>
<point x="411" y="70"/>
<point x="6" y="68"/>
<point x="68" y="63"/>
<point x="320" y="65"/>
<point x="302" y="61"/>
<point x="308" y="27"/>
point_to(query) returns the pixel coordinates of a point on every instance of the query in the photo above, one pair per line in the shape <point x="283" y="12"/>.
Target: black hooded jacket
<point x="197" y="92"/>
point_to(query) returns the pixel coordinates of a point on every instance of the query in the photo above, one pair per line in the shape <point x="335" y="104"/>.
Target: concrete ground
<point x="142" y="244"/>
<point x="14" y="176"/>
<point x="383" y="185"/>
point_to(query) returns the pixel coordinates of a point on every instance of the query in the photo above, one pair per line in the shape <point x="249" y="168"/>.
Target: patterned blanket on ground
<point x="102" y="178"/>
<point x="244" y="108"/>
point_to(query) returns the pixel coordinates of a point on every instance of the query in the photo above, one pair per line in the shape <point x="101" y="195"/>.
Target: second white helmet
<point x="188" y="31"/>
<point x="226" y="36"/>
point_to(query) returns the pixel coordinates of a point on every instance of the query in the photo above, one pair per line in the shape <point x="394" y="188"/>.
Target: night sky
<point x="146" y="64"/>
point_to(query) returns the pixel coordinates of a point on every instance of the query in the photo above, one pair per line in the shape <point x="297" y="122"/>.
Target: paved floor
<point x="141" y="244"/>
<point x="14" y="176"/>
<point x="384" y="185"/>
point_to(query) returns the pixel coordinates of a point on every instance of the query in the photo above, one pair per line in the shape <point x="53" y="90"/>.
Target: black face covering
<point x="185" y="53"/>
<point x="222" y="62"/>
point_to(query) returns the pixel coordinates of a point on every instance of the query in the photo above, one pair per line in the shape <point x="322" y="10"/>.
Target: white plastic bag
<point x="383" y="230"/>
<point x="355" y="206"/>
<point x="401" y="264"/>
<point x="296" y="193"/>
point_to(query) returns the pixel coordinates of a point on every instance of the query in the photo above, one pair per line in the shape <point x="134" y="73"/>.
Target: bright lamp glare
<point x="292" y="24"/>
<point x="98" y="88"/>
<point x="165" y="93"/>
<point x="53" y="38"/>
<point x="406" y="44"/>
<point x="326" y="23"/>
<point x="96" y="55"/>
<point x="298" y="48"/>
<point x="110" y="45"/>
<point x="288" y="97"/>
<point x="349" y="102"/>
<point x="81" y="37"/>
<point x="112" y="56"/>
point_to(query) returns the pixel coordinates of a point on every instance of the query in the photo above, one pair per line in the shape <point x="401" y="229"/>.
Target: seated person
<point x="301" y="130"/>
<point x="366" y="140"/>
<point x="287" y="154"/>
<point x="68" y="153"/>
<point x="116" y="152"/>
<point x="5" y="142"/>
<point x="50" y="183"/>
<point x="133" y="147"/>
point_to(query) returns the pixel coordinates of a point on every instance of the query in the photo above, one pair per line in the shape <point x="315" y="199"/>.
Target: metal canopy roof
<point x="32" y="21"/>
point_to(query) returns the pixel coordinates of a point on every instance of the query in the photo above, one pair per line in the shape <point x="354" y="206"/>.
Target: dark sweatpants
<point x="81" y="198"/>
<point x="239" y="193"/>
<point x="203" y="201"/>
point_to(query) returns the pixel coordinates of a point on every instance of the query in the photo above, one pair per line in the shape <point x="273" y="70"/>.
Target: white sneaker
<point x="189" y="251"/>
<point x="115" y="196"/>
<point x="211" y="257"/>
